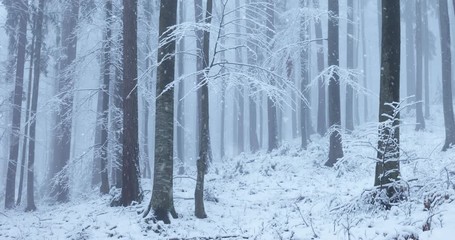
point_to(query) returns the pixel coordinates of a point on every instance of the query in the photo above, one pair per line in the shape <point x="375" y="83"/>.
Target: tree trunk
<point x="420" y="120"/>
<point x="181" y="94"/>
<point x="364" y="60"/>
<point x="145" y="142"/>
<point x="387" y="166"/>
<point x="223" y="96"/>
<point x="271" y="106"/>
<point x="25" y="139"/>
<point x="250" y="25"/>
<point x="199" y="18"/>
<point x="427" y="55"/>
<point x="240" y="92"/>
<point x="64" y="118"/>
<point x="131" y="189"/>
<point x="322" y="120"/>
<point x="304" y="72"/>
<point x="107" y="43"/>
<point x="117" y="122"/>
<point x="335" y="149"/>
<point x="350" y="65"/>
<point x="410" y="52"/>
<point x="17" y="106"/>
<point x="162" y="202"/>
<point x="36" y="78"/>
<point x="205" y="152"/>
<point x="446" y="56"/>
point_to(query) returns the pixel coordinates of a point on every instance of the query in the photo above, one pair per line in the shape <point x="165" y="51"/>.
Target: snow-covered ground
<point x="287" y="194"/>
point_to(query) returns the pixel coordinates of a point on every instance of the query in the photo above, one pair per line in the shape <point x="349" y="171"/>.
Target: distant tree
<point x="117" y="116"/>
<point x="420" y="120"/>
<point x="25" y="138"/>
<point x="34" y="105"/>
<point x="162" y="194"/>
<point x="410" y="50"/>
<point x="446" y="58"/>
<point x="427" y="56"/>
<point x="250" y="26"/>
<point x="364" y="58"/>
<point x="322" y="109"/>
<point x="205" y="152"/>
<point x="271" y="106"/>
<point x="239" y="117"/>
<point x="350" y="65"/>
<point x="64" y="117"/>
<point x="107" y="43"/>
<point x="388" y="154"/>
<point x="305" y="75"/>
<point x="335" y="148"/>
<point x="199" y="19"/>
<point x="131" y="189"/>
<point x="22" y="10"/>
<point x="181" y="94"/>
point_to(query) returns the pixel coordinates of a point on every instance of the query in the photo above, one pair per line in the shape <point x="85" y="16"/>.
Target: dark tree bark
<point x="322" y="110"/>
<point x="64" y="117"/>
<point x="387" y="166"/>
<point x="205" y="152"/>
<point x="350" y="65"/>
<point x="17" y="105"/>
<point x="162" y="197"/>
<point x="335" y="149"/>
<point x="446" y="56"/>
<point x="420" y="120"/>
<point x="36" y="78"/>
<point x="107" y="43"/>
<point x="304" y="72"/>
<point x="410" y="51"/>
<point x="271" y="107"/>
<point x="131" y="189"/>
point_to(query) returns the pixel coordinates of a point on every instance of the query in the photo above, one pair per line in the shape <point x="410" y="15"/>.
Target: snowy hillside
<point x="287" y="194"/>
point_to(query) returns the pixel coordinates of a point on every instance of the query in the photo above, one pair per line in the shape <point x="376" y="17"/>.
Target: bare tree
<point x="107" y="43"/>
<point x="364" y="59"/>
<point x="131" y="189"/>
<point x="350" y="65"/>
<point x="205" y="152"/>
<point x="34" y="105"/>
<point x="446" y="58"/>
<point x="181" y="94"/>
<point x="250" y="25"/>
<point x="322" y="109"/>
<point x="420" y="120"/>
<point x="17" y="104"/>
<point x="162" y="197"/>
<point x="304" y="72"/>
<point x="64" y="117"/>
<point x="388" y="154"/>
<point x="410" y="50"/>
<point x="335" y="149"/>
<point x="271" y="106"/>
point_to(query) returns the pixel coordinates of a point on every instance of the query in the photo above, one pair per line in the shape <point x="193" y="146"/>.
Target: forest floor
<point x="287" y="194"/>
